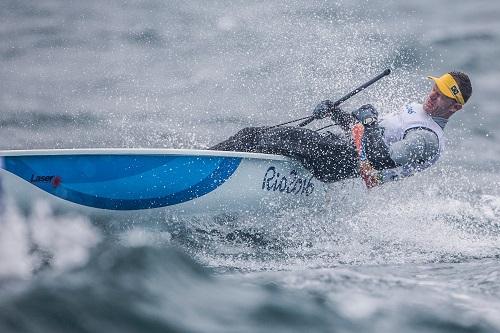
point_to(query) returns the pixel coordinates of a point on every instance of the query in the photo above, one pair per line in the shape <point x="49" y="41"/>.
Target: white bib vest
<point x="395" y="128"/>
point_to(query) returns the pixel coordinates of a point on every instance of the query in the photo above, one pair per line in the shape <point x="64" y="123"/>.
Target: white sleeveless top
<point x="395" y="128"/>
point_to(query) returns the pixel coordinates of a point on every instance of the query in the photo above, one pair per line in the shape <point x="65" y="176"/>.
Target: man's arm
<point x="419" y="145"/>
<point x="376" y="151"/>
<point x="327" y="108"/>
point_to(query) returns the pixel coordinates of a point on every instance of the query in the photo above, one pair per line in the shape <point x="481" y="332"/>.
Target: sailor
<point x="378" y="150"/>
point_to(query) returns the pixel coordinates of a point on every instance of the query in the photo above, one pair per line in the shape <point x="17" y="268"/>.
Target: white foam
<point x="15" y="258"/>
<point x="138" y="237"/>
<point x="67" y="238"/>
<point x="25" y="242"/>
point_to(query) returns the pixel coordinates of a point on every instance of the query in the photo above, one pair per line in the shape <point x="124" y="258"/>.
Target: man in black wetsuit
<point x="377" y="150"/>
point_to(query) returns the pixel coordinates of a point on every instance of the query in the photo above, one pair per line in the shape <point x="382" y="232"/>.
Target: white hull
<point x="252" y="183"/>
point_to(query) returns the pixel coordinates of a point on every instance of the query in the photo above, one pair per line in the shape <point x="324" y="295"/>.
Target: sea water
<point x="420" y="255"/>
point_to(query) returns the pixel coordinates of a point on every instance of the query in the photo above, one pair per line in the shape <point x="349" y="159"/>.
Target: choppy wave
<point x="138" y="288"/>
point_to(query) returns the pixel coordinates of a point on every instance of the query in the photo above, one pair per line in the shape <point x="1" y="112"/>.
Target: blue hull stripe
<point x="124" y="182"/>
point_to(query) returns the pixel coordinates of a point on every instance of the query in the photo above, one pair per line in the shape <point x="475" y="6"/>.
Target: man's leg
<point x="329" y="158"/>
<point x="337" y="159"/>
<point x="245" y="140"/>
<point x="288" y="141"/>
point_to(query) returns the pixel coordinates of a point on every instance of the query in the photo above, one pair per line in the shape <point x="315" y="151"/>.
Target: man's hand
<point x="366" y="115"/>
<point x="323" y="109"/>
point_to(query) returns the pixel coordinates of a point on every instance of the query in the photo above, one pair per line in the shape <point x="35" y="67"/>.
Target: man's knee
<point x="244" y="140"/>
<point x="249" y="131"/>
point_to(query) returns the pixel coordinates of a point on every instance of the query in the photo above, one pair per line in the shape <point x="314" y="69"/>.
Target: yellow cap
<point x="448" y="87"/>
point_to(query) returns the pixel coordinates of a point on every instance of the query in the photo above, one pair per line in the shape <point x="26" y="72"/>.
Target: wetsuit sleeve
<point x="343" y="119"/>
<point x="418" y="146"/>
<point x="375" y="148"/>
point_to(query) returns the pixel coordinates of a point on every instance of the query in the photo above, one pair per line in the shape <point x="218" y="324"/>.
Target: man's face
<point x="436" y="103"/>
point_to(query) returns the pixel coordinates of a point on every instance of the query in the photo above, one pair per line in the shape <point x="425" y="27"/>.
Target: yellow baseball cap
<point x="448" y="87"/>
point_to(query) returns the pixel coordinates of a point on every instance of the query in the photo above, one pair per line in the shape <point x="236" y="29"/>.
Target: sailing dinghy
<point x="168" y="180"/>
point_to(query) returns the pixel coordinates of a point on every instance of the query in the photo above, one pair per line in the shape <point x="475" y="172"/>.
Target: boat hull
<point x="121" y="181"/>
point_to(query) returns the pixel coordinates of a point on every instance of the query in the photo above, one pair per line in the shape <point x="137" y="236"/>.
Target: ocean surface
<point x="421" y="255"/>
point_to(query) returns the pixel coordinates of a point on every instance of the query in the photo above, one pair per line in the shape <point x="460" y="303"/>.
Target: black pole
<point x="346" y="97"/>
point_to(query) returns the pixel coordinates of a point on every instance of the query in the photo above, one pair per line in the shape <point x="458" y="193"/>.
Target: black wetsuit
<point x="329" y="157"/>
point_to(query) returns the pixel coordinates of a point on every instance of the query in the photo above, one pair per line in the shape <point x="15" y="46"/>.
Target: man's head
<point x="448" y="95"/>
